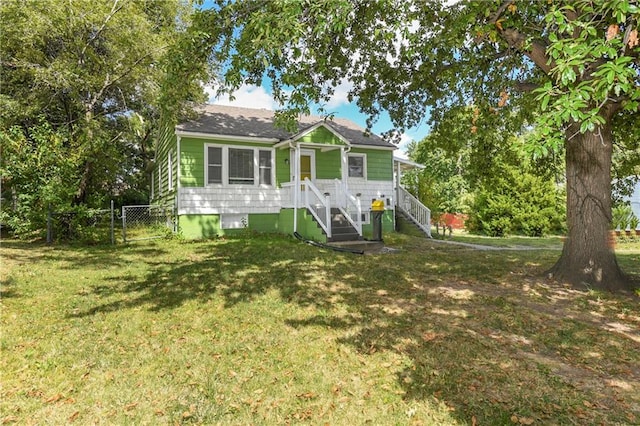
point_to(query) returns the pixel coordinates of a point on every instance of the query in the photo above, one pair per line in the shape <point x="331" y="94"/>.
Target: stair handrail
<point x="417" y="211"/>
<point x="313" y="198"/>
<point x="344" y="199"/>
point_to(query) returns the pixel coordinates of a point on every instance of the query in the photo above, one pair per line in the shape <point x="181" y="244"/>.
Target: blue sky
<point x="261" y="97"/>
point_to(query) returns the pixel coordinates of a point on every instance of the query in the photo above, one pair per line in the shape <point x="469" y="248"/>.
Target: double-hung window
<point x="229" y="165"/>
<point x="214" y="165"/>
<point x="241" y="167"/>
<point x="265" y="168"/>
<point x="357" y="164"/>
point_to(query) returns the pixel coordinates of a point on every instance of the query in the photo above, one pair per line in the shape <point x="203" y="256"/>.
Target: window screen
<point x="265" y="167"/>
<point x="240" y="166"/>
<point x="356" y="166"/>
<point x="214" y="156"/>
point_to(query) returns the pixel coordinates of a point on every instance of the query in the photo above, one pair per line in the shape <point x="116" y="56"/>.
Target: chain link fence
<point x="91" y="226"/>
<point x="147" y="222"/>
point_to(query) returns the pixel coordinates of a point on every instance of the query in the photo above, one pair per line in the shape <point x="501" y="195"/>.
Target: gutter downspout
<point x="296" y="188"/>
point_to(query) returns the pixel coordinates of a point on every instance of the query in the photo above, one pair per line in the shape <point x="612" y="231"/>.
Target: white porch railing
<point x="288" y="195"/>
<point x="349" y="205"/>
<point x="319" y="205"/>
<point x="411" y="206"/>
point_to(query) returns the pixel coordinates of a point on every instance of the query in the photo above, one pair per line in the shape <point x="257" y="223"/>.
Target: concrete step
<point x="344" y="237"/>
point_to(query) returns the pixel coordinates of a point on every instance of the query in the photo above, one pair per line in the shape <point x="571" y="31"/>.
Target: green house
<point x="232" y="168"/>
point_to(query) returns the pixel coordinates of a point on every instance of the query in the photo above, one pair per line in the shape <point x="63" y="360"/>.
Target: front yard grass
<point x="268" y="330"/>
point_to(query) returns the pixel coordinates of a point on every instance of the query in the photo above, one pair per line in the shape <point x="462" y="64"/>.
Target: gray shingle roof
<point x="235" y="121"/>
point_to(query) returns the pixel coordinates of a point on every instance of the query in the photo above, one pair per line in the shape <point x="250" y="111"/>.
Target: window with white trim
<point x="214" y="165"/>
<point x="236" y="165"/>
<point x="241" y="166"/>
<point x="265" y="167"/>
<point x="365" y="217"/>
<point x="357" y="165"/>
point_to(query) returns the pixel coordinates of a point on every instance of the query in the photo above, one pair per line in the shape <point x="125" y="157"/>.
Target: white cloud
<point x="405" y="139"/>
<point x="401" y="152"/>
<point x="247" y="96"/>
<point x="341" y="95"/>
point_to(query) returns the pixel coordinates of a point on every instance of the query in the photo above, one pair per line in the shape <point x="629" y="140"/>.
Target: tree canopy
<point x="79" y="100"/>
<point x="569" y="67"/>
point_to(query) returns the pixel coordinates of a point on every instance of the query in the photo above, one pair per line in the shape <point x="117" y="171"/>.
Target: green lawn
<point x="268" y="330"/>
<point x="550" y="242"/>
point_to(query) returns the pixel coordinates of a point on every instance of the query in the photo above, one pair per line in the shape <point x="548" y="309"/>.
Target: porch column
<point x="345" y="168"/>
<point x="398" y="177"/>
<point x="296" y="188"/>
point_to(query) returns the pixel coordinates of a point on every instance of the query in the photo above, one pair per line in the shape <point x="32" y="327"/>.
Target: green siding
<point x="379" y="163"/>
<point x="192" y="158"/>
<point x="321" y="135"/>
<point x="165" y="143"/>
<point x="192" y="162"/>
<point x="198" y="226"/>
<point x="283" y="169"/>
<point x="307" y="227"/>
<point x="204" y="226"/>
<point x="328" y="164"/>
<point x="264" y="222"/>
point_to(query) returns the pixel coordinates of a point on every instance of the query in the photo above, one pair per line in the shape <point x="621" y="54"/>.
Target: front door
<point x="307" y="165"/>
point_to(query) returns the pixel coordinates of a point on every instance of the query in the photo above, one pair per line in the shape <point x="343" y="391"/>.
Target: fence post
<point x="113" y="236"/>
<point x="49" y="231"/>
<point x="124" y="225"/>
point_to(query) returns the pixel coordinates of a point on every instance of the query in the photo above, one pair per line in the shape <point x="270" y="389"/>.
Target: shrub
<point x="517" y="202"/>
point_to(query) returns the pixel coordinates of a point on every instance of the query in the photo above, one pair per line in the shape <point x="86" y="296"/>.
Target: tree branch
<point x="114" y="10"/>
<point x="524" y="86"/>
<point x="494" y="18"/>
<point x="537" y="51"/>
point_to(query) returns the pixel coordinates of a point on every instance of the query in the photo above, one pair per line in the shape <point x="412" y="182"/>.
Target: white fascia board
<point x="226" y="137"/>
<point x="408" y="163"/>
<point x="323" y="146"/>
<point x="283" y="144"/>
<point x="381" y="148"/>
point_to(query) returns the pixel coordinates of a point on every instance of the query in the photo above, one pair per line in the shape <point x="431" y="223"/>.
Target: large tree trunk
<point x="588" y="260"/>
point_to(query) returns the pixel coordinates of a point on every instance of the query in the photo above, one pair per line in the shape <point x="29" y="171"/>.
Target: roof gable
<point x="259" y="123"/>
<point x="321" y="133"/>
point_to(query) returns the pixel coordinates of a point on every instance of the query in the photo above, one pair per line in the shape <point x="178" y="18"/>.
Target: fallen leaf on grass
<point x="74" y="416"/>
<point x="521" y="420"/>
<point x="54" y="398"/>
<point x="306" y="395"/>
<point x="429" y="336"/>
<point x="131" y="406"/>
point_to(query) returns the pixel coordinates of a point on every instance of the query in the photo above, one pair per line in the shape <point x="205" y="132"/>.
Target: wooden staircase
<point x="405" y="223"/>
<point x="341" y="228"/>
